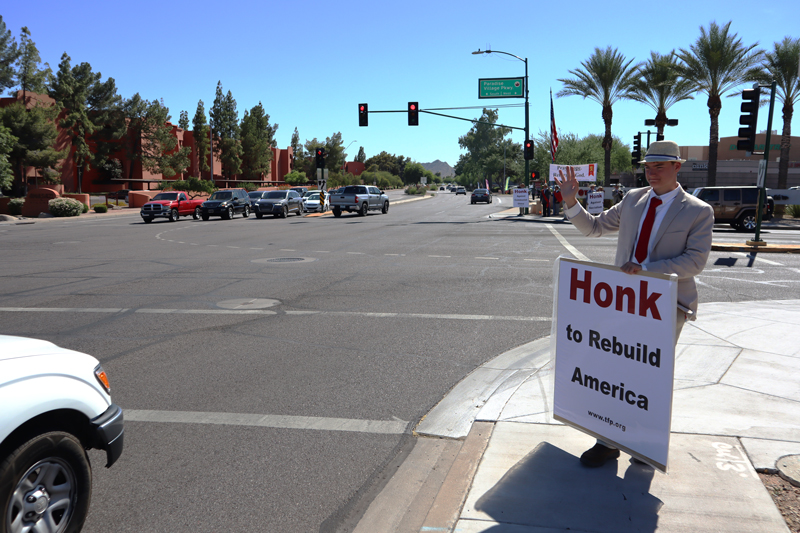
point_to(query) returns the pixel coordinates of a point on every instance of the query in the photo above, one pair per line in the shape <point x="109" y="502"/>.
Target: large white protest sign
<point x="582" y="172"/>
<point x="521" y="198"/>
<point x="594" y="202"/>
<point x="615" y="356"/>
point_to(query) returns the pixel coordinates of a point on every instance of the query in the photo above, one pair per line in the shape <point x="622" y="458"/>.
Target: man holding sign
<point x="661" y="229"/>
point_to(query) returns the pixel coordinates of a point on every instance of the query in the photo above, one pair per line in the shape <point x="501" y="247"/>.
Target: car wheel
<point x="147" y="220"/>
<point x="259" y="215"/>
<point x="50" y="484"/>
<point x="196" y="214"/>
<point x="173" y="215"/>
<point x="337" y="212"/>
<point x="300" y="211"/>
<point x="748" y="222"/>
<point x="473" y="203"/>
<point x="205" y="217"/>
<point x="363" y="211"/>
<point x="385" y="207"/>
<point x="246" y="212"/>
<point x="285" y="212"/>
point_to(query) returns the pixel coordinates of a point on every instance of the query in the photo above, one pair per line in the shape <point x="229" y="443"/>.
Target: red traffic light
<point x="412" y="107"/>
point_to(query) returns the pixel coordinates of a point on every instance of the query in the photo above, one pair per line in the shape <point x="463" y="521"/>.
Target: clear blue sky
<point x="312" y="63"/>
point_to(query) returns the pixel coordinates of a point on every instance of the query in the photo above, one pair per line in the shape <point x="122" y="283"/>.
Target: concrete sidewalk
<point x="736" y="410"/>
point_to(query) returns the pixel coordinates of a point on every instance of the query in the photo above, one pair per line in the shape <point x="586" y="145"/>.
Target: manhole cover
<point x="284" y="260"/>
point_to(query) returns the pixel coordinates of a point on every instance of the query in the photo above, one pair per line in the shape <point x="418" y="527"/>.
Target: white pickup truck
<point x="54" y="405"/>
<point x="359" y="199"/>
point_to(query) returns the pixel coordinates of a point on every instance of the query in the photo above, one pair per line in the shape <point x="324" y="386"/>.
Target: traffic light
<point x="749" y="119"/>
<point x="363" y="115"/>
<point x="320" y="157"/>
<point x="659" y="136"/>
<point x="534" y="176"/>
<point x="413" y="114"/>
<point x="636" y="153"/>
<point x="649" y="122"/>
<point x="528" y="150"/>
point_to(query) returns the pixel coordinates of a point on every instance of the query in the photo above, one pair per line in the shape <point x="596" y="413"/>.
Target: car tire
<point x="473" y="203"/>
<point x="363" y="211"/>
<point x="229" y="213"/>
<point x="259" y="215"/>
<point x="300" y="211"/>
<point x="147" y="220"/>
<point x="54" y="459"/>
<point x="747" y="222"/>
<point x="385" y="207"/>
<point x="337" y="212"/>
<point x="285" y="212"/>
<point x="246" y="212"/>
<point x="173" y="215"/>
<point x="204" y="217"/>
<point x="196" y="214"/>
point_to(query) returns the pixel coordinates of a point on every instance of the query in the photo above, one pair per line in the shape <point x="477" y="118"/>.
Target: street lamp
<point x="527" y="127"/>
<point x="344" y="153"/>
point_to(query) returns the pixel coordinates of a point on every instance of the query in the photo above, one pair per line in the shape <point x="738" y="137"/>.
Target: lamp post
<point x="344" y="152"/>
<point x="527" y="127"/>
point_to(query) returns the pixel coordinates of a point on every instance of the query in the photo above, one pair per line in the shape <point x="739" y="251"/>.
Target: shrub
<point x="249" y="186"/>
<point x="85" y="207"/>
<point x="791" y="210"/>
<point x="15" y="206"/>
<point x="100" y="208"/>
<point x="66" y="207"/>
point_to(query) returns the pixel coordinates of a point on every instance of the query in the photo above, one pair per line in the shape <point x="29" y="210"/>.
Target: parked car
<point x="736" y="206"/>
<point x="461" y="190"/>
<point x="55" y="405"/>
<point x="170" y="205"/>
<point x="279" y="204"/>
<point x="481" y="195"/>
<point x="256" y="196"/>
<point x="300" y="190"/>
<point x="225" y="203"/>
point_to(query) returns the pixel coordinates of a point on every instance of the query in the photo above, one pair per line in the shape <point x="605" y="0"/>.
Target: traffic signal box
<point x="413" y="114"/>
<point x="320" y="157"/>
<point x="534" y="176"/>
<point x="363" y="115"/>
<point x="749" y="119"/>
<point x="636" y="153"/>
<point x="528" y="151"/>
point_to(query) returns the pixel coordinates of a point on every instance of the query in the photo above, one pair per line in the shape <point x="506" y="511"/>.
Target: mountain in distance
<point x="443" y="168"/>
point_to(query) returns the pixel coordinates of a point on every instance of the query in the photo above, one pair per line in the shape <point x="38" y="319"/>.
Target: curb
<point x="769" y="248"/>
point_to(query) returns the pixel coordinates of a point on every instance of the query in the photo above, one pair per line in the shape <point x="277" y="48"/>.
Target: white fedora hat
<point x="663" y="151"/>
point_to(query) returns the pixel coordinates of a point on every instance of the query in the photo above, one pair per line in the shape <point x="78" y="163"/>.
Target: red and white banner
<point x="582" y="172"/>
<point x="615" y="356"/>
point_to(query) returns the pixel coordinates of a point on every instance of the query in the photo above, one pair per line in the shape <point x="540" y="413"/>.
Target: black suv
<point x="736" y="206"/>
<point x="225" y="203"/>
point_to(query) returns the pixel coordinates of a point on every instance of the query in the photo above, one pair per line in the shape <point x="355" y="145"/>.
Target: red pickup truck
<point x="171" y="205"/>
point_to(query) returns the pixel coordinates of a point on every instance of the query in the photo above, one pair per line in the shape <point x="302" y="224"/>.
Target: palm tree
<point x="660" y="86"/>
<point x="715" y="63"/>
<point x="606" y="77"/>
<point x="781" y="65"/>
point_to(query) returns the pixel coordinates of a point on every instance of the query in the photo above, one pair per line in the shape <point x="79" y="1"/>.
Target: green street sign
<point x="501" y="87"/>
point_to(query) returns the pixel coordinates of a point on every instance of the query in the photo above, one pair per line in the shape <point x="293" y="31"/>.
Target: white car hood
<point x="16" y="347"/>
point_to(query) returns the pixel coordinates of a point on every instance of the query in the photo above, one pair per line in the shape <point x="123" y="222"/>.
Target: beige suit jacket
<point x="680" y="246"/>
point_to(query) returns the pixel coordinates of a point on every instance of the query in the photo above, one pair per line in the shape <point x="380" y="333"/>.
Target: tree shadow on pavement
<point x="549" y="488"/>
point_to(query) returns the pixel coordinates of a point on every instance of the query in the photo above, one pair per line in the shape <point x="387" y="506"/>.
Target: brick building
<point x="138" y="178"/>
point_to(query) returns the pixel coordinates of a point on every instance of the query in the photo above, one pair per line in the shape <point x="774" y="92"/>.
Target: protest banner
<point x="582" y="172"/>
<point x="521" y="198"/>
<point x="615" y="356"/>
<point x="594" y="202"/>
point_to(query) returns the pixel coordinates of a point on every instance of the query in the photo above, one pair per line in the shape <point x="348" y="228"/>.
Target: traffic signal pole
<point x="762" y="172"/>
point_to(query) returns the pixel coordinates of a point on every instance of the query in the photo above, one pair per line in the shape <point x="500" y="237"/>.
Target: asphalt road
<point x="265" y="395"/>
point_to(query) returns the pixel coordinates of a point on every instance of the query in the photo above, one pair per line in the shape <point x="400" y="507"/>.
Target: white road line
<point x="150" y="311"/>
<point x="574" y="251"/>
<point x="495" y="258"/>
<point x="447" y="256"/>
<point x="767" y="261"/>
<point x="387" y="427"/>
<point x="545" y="260"/>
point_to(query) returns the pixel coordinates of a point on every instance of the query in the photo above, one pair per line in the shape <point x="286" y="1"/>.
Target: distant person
<point x="681" y="247"/>
<point x="617" y="194"/>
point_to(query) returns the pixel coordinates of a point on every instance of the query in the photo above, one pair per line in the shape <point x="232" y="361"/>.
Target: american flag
<point x="553" y="131"/>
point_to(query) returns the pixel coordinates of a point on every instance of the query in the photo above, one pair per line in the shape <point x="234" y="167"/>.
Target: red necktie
<point x="647" y="227"/>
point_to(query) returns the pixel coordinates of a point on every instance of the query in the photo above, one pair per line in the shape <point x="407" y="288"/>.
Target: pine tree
<point x="183" y="121"/>
<point x="200" y="129"/>
<point x="225" y="128"/>
<point x="30" y="77"/>
<point x="257" y="139"/>
<point x="8" y="56"/>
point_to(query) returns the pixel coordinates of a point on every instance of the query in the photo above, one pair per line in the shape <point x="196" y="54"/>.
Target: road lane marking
<point x="545" y="260"/>
<point x="386" y="427"/>
<point x="574" y="251"/>
<point x="494" y="258"/>
<point x="446" y="256"/>
<point x="151" y="311"/>
<point x="750" y="255"/>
